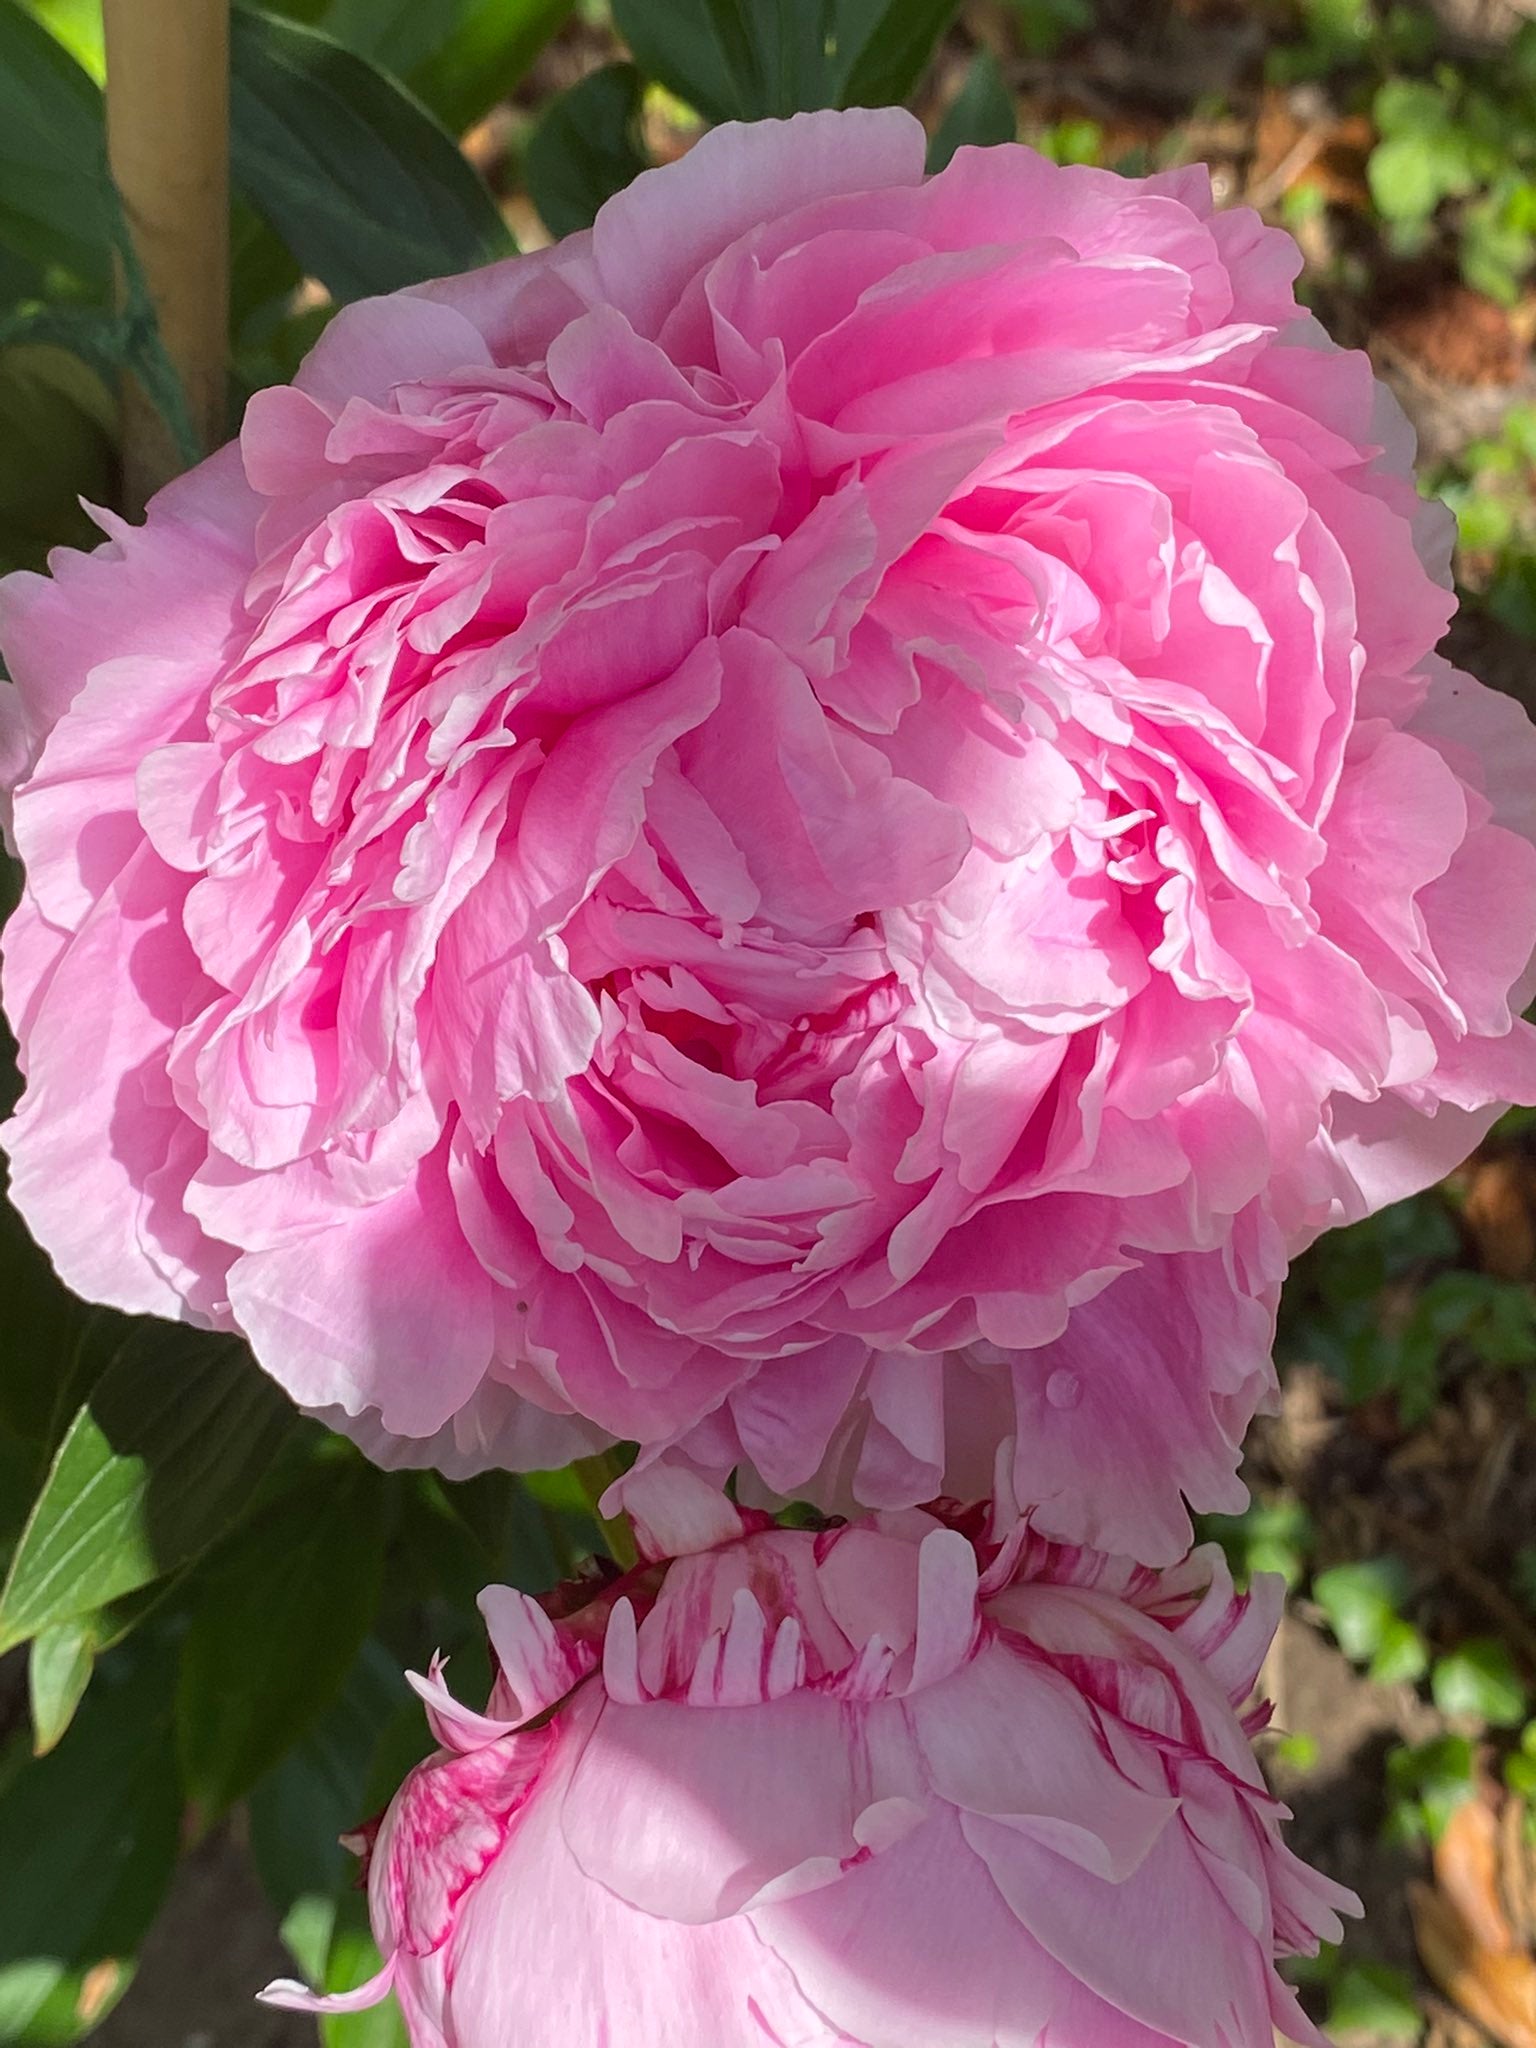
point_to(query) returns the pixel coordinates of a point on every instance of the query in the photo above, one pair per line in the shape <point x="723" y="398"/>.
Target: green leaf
<point x="1268" y="1536"/>
<point x="1480" y="1678"/>
<point x="58" y="1671"/>
<point x="747" y="59"/>
<point x="1374" y="1999"/>
<point x="1429" y="1783"/>
<point x="60" y="1347"/>
<point x="883" y="50"/>
<point x="981" y="113"/>
<point x="1402" y="179"/>
<point x="486" y="55"/>
<point x="1042" y="26"/>
<point x="396" y="35"/>
<point x="586" y="148"/>
<point x="458" y="1536"/>
<point x="1496" y="246"/>
<point x="1360" y="1602"/>
<point x="1426" y="156"/>
<point x="1078" y="142"/>
<point x="348" y="1767"/>
<point x="1341" y="23"/>
<point x="1298" y="1751"/>
<point x="64" y="1655"/>
<point x="57" y="435"/>
<point x="677" y="42"/>
<point x="1512" y="597"/>
<point x="787" y="46"/>
<point x="283" y="1614"/>
<point x="1410" y="107"/>
<point x="88" y="1841"/>
<point x="537" y="1527"/>
<point x="263" y="275"/>
<point x="77" y="25"/>
<point x="43" y="1326"/>
<point x="458" y="56"/>
<point x="1484" y="521"/>
<point x="159" y="1461"/>
<point x="1400" y="1657"/>
<point x="305" y="1931"/>
<point x="55" y="198"/>
<point x="318" y="1791"/>
<point x="364" y="186"/>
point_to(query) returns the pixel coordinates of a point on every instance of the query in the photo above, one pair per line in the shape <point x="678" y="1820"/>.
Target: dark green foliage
<point x="1384" y="1307"/>
<point x="360" y="181"/>
<point x="586" y="147"/>
<point x="982" y="112"/>
<point x="159" y="1460"/>
<point x="88" y="1841"/>
<point x="742" y="60"/>
<point x="55" y="205"/>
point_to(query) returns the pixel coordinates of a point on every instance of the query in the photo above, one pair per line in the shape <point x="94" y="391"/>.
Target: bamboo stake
<point x="168" y="144"/>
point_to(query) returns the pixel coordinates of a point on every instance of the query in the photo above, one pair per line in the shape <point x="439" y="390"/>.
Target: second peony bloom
<point x="813" y="829"/>
<point x="924" y="1781"/>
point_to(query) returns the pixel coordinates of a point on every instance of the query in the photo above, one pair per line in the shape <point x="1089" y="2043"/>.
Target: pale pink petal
<point x="652" y="238"/>
<point x="673" y="1510"/>
<point x="289" y="1996"/>
<point x="354" y="1310"/>
<point x="762" y="1796"/>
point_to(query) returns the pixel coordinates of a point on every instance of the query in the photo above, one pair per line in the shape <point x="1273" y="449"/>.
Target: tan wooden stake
<point x="168" y="144"/>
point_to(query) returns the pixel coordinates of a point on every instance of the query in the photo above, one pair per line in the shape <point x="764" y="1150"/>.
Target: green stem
<point x="595" y="1475"/>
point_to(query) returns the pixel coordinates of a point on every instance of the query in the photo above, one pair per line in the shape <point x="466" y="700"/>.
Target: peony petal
<point x="766" y="1788"/>
<point x="1017" y="1743"/>
<point x="653" y="236"/>
<point x="353" y="1310"/>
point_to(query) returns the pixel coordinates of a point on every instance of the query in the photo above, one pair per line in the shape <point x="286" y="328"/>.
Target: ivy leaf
<point x="1479" y="1678"/>
<point x="1361" y="1601"/>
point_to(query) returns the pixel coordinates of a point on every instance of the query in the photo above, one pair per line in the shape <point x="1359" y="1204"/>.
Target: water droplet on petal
<point x="1063" y="1389"/>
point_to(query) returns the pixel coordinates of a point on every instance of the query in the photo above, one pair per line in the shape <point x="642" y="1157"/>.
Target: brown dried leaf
<point x="1455" y="335"/>
<point x="1516" y="1876"/>
<point x="1467" y="1863"/>
<point x="1498" y="1212"/>
<point x="97" y="1988"/>
<point x="1497" y="1989"/>
<point x="1276" y="133"/>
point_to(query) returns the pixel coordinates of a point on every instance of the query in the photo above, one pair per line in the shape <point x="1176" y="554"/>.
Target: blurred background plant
<point x="206" y="1603"/>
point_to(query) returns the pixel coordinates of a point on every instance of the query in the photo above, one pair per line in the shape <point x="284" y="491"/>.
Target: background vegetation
<point x="207" y="1603"/>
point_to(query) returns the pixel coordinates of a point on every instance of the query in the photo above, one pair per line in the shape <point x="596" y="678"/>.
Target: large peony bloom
<point x="907" y="1783"/>
<point x="817" y="826"/>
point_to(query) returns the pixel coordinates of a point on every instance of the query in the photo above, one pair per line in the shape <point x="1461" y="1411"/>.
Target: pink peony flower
<point x="815" y="827"/>
<point x="906" y="1783"/>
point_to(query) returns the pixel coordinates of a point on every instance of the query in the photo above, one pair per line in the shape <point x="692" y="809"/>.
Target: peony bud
<point x="919" y="1781"/>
